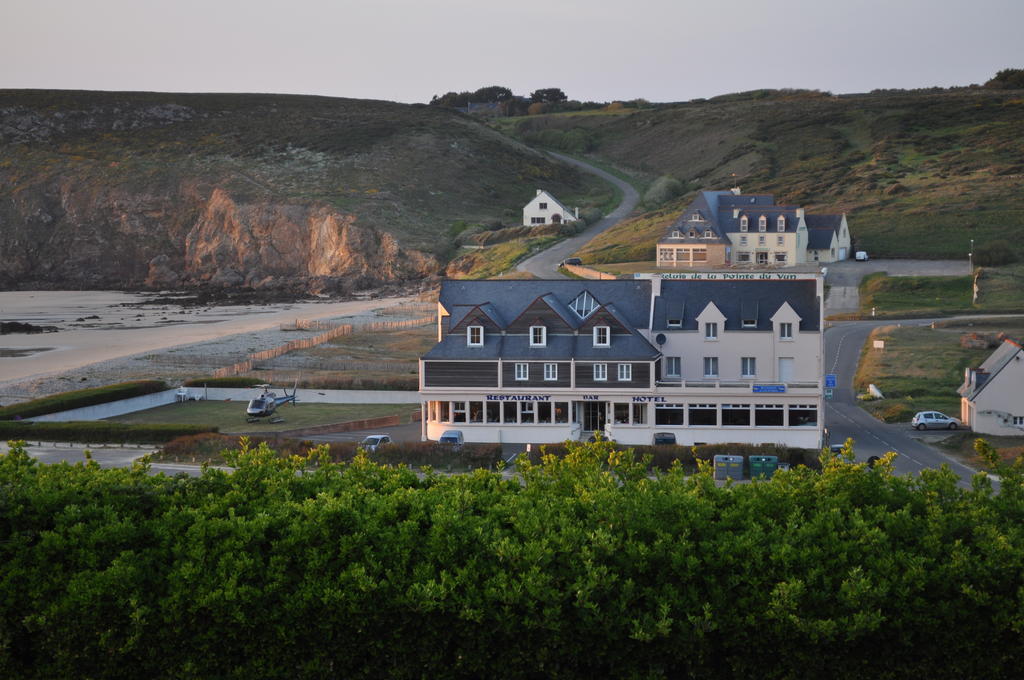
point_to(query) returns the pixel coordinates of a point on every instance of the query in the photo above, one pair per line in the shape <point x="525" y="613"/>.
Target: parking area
<point x="844" y="277"/>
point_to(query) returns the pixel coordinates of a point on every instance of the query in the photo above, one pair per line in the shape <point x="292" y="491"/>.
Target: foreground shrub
<point x="582" y="567"/>
<point x="65" y="401"/>
<point x="94" y="431"/>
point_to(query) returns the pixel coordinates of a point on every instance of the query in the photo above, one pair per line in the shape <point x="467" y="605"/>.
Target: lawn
<point x="962" y="444"/>
<point x="229" y="416"/>
<point x="1000" y="290"/>
<point x="921" y="368"/>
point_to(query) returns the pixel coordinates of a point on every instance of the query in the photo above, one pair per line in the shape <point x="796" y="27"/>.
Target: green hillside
<point x="920" y="173"/>
<point x="134" y="171"/>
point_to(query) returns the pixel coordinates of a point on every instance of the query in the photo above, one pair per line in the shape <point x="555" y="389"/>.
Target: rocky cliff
<point x="108" y="190"/>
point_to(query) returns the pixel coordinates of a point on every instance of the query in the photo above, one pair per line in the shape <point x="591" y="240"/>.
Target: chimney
<point x="735" y="213"/>
<point x="576" y="211"/>
<point x="538" y="191"/>
<point x="736" y="191"/>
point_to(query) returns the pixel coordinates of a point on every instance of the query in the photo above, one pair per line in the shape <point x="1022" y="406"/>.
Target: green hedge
<point x="65" y="401"/>
<point x="92" y="431"/>
<point x="582" y="567"/>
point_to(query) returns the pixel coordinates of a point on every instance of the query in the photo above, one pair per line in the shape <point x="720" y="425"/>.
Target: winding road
<point x="545" y="264"/>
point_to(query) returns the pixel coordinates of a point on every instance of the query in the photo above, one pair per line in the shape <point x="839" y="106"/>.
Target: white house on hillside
<point x="546" y="209"/>
<point x="993" y="394"/>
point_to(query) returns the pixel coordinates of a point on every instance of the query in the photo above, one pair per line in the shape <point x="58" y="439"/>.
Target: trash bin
<point x="728" y="467"/>
<point x="763" y="466"/>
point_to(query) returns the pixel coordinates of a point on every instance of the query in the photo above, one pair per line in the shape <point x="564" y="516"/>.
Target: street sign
<point x="830" y="380"/>
<point x="769" y="388"/>
<point x="828" y="392"/>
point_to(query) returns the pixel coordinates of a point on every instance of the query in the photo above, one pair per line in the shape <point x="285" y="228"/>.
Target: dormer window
<point x="693" y="233"/>
<point x="762" y="223"/>
<point x="583" y="305"/>
<point x="602" y="336"/>
<point x="749" y="322"/>
<point x="782" y="223"/>
<point x="711" y="330"/>
<point x="538" y="336"/>
<point x="696" y="217"/>
<point x="708" y="233"/>
<point x="675" y="323"/>
<point x="676" y="233"/>
<point x="475" y="336"/>
<point x="744" y="223"/>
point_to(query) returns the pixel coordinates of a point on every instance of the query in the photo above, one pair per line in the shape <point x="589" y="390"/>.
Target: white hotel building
<point x="711" y="357"/>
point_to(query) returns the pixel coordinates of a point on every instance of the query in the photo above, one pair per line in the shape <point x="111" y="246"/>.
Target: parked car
<point x="861" y="256"/>
<point x="664" y="438"/>
<point x="572" y="260"/>
<point x="373" y="441"/>
<point x="933" y="420"/>
<point x="452" y="438"/>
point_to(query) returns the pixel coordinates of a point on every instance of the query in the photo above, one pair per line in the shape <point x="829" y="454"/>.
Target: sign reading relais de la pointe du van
<point x="732" y="276"/>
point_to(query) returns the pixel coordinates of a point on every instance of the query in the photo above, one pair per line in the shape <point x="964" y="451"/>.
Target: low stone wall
<point x="349" y="426"/>
<point x="110" y="409"/>
<point x="587" y="272"/>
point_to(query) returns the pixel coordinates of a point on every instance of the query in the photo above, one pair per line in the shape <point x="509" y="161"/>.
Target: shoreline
<point x="119" y="346"/>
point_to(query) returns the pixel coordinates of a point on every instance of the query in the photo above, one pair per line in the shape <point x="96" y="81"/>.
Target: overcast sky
<point x="409" y="50"/>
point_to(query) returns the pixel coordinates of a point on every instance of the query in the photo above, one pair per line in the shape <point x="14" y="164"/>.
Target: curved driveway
<point x="545" y="264"/>
<point x="844" y="418"/>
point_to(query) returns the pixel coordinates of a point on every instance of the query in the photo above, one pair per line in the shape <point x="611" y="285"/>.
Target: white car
<point x="933" y="420"/>
<point x="861" y="256"/>
<point x="373" y="441"/>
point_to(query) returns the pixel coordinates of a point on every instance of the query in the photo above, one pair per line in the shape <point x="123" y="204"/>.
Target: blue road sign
<point x="769" y="388"/>
<point x="830" y="380"/>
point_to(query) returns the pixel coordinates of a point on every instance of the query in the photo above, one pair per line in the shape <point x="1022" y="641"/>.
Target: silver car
<point x="373" y="441"/>
<point x="933" y="420"/>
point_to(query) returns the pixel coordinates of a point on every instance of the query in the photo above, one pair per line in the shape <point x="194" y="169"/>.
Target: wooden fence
<point x="333" y="330"/>
<point x="588" y="273"/>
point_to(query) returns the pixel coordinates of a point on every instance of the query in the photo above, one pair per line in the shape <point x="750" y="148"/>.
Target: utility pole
<point x="970" y="258"/>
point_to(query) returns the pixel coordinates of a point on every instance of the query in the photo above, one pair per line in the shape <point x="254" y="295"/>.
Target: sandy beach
<point x="108" y="336"/>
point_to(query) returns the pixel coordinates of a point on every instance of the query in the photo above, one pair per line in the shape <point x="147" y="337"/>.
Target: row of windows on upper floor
<point x="762" y="225"/>
<point x="672" y="368"/>
<point x="602" y="334"/>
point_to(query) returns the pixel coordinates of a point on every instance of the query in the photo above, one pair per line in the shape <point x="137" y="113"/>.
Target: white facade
<point x="717" y="382"/>
<point x="993" y="394"/>
<point x="546" y="209"/>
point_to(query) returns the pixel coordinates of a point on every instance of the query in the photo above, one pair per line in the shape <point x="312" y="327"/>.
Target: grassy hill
<point x="135" y="171"/>
<point x="919" y="173"/>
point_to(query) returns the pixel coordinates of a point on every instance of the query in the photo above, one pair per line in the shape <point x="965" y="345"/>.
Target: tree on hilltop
<point x="1007" y="79"/>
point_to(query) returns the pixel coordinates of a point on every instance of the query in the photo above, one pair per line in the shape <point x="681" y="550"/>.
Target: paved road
<point x="545" y="263"/>
<point x="844" y="418"/>
<point x="844" y="278"/>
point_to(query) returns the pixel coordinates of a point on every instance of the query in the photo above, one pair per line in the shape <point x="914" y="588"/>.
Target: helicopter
<point x="265" y="405"/>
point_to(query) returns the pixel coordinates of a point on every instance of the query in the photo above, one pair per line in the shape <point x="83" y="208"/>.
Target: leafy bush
<point x="661" y="191"/>
<point x="585" y="566"/>
<point x="994" y="254"/>
<point x="87" y="431"/>
<point x="66" y="401"/>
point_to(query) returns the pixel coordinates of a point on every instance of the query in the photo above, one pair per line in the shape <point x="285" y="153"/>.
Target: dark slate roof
<point x="630" y="297"/>
<point x="621" y="348"/>
<point x="558" y="347"/>
<point x="454" y="347"/>
<point x="730" y="298"/>
<point x="727" y="199"/>
<point x="729" y="224"/>
<point x="832" y="222"/>
<point x="819" y="239"/>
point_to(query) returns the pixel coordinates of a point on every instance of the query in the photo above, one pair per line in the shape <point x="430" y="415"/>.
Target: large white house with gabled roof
<point x="992" y="395"/>
<point x="725" y="228"/>
<point x="546" y="209"/>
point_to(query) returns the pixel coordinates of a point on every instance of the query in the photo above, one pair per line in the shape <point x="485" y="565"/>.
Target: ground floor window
<point x="735" y="415"/>
<point x="803" y="415"/>
<point x="458" y="411"/>
<point x="476" y="412"/>
<point x="639" y="414"/>
<point x="743" y="257"/>
<point x="526" y="412"/>
<point x="668" y="414"/>
<point x="703" y="414"/>
<point x="510" y="412"/>
<point x="621" y="414"/>
<point x="494" y="412"/>
<point x="544" y="412"/>
<point x="769" y="415"/>
<point x="561" y="412"/>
